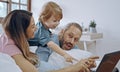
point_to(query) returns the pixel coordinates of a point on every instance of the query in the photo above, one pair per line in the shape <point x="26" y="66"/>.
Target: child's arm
<point x="60" y="51"/>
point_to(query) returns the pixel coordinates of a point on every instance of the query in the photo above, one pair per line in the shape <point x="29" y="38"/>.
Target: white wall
<point x="106" y="13"/>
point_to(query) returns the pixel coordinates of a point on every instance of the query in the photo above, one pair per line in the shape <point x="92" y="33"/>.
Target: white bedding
<point x="7" y="64"/>
<point x="59" y="62"/>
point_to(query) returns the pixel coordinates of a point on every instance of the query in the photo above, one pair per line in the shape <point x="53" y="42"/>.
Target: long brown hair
<point x="15" y="25"/>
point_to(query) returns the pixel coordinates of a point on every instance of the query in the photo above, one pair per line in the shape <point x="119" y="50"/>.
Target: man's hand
<point x="90" y="62"/>
<point x="86" y="64"/>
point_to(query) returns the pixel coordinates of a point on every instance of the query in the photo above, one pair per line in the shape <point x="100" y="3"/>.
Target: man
<point x="67" y="40"/>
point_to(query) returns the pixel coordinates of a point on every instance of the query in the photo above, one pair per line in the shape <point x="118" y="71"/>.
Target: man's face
<point x="70" y="37"/>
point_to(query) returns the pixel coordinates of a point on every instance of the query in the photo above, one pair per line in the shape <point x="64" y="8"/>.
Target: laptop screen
<point x="108" y="62"/>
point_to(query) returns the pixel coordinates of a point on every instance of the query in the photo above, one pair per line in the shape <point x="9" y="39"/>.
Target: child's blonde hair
<point x="49" y="9"/>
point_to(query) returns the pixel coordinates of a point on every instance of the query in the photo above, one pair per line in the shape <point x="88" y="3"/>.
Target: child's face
<point x="31" y="29"/>
<point x="52" y="22"/>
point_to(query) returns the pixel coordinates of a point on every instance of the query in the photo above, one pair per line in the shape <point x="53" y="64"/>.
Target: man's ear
<point x="61" y="33"/>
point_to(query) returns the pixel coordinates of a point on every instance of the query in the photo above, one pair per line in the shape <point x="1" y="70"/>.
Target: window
<point x="8" y="5"/>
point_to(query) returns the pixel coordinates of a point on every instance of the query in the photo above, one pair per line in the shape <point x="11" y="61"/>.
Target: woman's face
<point x="31" y="29"/>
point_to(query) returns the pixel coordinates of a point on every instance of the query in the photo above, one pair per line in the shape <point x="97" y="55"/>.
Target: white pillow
<point x="33" y="48"/>
<point x="7" y="64"/>
<point x="59" y="62"/>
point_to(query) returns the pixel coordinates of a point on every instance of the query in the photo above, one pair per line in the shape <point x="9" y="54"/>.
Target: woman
<point x="19" y="26"/>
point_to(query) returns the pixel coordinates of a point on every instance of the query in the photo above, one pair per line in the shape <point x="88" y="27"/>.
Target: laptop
<point x="108" y="62"/>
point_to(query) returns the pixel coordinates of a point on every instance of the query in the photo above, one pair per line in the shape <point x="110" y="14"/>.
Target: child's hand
<point x="69" y="58"/>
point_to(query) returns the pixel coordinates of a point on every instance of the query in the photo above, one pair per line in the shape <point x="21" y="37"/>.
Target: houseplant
<point x="92" y="27"/>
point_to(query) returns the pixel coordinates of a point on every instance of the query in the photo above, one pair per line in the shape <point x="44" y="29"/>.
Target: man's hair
<point x="73" y="24"/>
<point x="68" y="27"/>
<point x="49" y="9"/>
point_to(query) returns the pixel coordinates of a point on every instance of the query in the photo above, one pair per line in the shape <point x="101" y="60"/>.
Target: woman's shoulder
<point x="8" y="46"/>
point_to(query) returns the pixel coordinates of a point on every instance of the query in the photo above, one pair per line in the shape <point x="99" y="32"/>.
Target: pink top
<point x="8" y="46"/>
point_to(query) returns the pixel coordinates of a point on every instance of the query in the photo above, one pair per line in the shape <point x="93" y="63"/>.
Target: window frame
<point x="9" y="3"/>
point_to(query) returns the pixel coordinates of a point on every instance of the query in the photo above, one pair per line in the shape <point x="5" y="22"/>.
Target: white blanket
<point x="7" y="64"/>
<point x="59" y="62"/>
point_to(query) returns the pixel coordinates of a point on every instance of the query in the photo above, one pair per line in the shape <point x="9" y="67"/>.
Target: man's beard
<point x="67" y="45"/>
